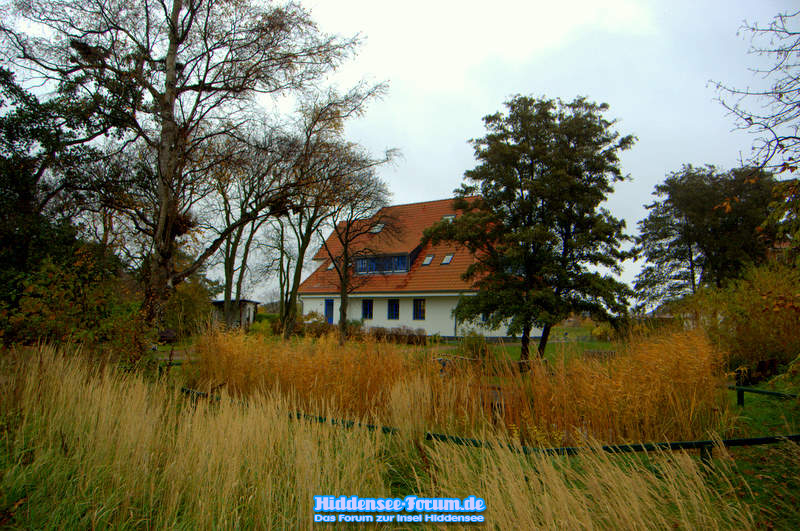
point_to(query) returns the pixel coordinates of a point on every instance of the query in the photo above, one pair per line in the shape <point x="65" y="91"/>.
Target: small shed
<point x="245" y="316"/>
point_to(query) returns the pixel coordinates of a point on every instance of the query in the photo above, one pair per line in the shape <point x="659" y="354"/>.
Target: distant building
<point x="402" y="282"/>
<point x="245" y="316"/>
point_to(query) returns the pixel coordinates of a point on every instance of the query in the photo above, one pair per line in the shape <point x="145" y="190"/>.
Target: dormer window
<point x="449" y="218"/>
<point x="382" y="264"/>
<point x="428" y="260"/>
<point x="377" y="228"/>
<point x="447" y="259"/>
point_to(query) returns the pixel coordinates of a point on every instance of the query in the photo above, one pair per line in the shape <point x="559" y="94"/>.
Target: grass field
<point x="92" y="447"/>
<point x="85" y="445"/>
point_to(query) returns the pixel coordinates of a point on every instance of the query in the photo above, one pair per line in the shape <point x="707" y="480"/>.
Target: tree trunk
<point x="524" y="353"/>
<point x="291" y="307"/>
<point x="543" y="340"/>
<point x="161" y="266"/>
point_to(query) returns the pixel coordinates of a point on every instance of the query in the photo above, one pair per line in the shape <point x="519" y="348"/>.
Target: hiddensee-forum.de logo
<point x="421" y="509"/>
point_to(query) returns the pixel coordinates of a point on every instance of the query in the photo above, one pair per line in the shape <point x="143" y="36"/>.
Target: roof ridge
<point x="422" y="202"/>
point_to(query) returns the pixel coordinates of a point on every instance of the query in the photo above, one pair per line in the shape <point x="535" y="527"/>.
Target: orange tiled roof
<point x="411" y="220"/>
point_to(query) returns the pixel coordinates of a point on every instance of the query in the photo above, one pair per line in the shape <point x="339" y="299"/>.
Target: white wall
<point x="438" y="313"/>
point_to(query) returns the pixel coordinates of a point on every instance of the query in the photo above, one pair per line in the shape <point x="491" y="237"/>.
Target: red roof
<point x="410" y="220"/>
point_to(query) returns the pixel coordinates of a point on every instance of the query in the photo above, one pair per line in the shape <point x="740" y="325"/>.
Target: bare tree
<point x="174" y="75"/>
<point x="772" y="114"/>
<point x="357" y="223"/>
<point x="238" y="186"/>
<point x="329" y="163"/>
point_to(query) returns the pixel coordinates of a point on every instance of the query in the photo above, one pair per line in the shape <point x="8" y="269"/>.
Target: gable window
<point x="366" y="309"/>
<point x="330" y="266"/>
<point x="419" y="309"/>
<point x="428" y="260"/>
<point x="377" y="228"/>
<point x="447" y="259"/>
<point x="393" y="312"/>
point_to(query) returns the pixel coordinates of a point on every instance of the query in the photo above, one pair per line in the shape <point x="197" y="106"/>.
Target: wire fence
<point x="706" y="447"/>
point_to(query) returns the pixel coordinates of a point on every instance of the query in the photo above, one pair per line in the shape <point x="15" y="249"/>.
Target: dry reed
<point x="92" y="447"/>
<point x="664" y="387"/>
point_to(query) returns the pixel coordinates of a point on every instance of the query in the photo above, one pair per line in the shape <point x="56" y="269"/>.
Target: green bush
<point x="755" y="319"/>
<point x="603" y="332"/>
<point x="188" y="309"/>
<point x="86" y="300"/>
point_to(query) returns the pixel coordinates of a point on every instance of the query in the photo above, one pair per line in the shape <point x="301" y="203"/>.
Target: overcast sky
<point x="448" y="64"/>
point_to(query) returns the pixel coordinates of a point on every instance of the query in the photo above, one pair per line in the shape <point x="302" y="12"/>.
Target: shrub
<point x="188" y="309"/>
<point x="355" y="329"/>
<point x="87" y="300"/>
<point x="755" y="319"/>
<point x="314" y="325"/>
<point x="402" y="335"/>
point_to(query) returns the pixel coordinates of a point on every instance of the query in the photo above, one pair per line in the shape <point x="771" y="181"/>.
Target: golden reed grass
<point x="88" y="447"/>
<point x="664" y="387"/>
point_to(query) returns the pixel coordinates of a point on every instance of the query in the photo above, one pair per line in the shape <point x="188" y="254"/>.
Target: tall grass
<point x="666" y="386"/>
<point x="91" y="447"/>
<point x="599" y="490"/>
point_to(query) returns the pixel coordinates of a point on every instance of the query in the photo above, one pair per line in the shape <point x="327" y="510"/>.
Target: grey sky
<point x="448" y="64"/>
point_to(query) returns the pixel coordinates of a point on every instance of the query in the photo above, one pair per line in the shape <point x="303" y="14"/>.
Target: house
<point x="246" y="315"/>
<point x="400" y="282"/>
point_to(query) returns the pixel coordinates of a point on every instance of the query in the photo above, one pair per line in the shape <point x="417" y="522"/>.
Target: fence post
<point x="740" y="397"/>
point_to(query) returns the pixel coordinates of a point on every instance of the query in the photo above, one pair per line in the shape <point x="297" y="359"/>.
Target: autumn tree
<point x="333" y="166"/>
<point x="533" y="218"/>
<point x="357" y="221"/>
<point x="772" y="113"/>
<point x="42" y="183"/>
<point x="172" y="77"/>
<point x="704" y="228"/>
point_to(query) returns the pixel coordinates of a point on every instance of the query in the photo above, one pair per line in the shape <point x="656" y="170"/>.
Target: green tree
<point x="705" y="227"/>
<point x="536" y="229"/>
<point x="42" y="185"/>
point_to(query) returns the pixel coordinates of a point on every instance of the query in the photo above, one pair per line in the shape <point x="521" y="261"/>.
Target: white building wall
<point x="438" y="313"/>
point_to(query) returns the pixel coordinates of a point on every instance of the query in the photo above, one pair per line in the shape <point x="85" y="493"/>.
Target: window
<point x="382" y="264"/>
<point x="447" y="259"/>
<point x="428" y="260"/>
<point x="400" y="263"/>
<point x="484" y="317"/>
<point x="419" y="309"/>
<point x="449" y="218"/>
<point x="394" y="309"/>
<point x="377" y="228"/>
<point x="330" y="266"/>
<point x="366" y="309"/>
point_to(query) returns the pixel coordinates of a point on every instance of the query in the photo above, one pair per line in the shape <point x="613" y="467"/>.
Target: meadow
<point x="85" y="445"/>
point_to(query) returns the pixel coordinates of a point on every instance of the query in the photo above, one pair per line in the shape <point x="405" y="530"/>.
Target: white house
<point x="402" y="283"/>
